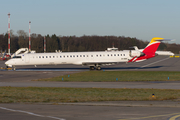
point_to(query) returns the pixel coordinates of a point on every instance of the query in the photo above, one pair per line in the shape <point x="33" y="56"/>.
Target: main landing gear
<point x="93" y="67"/>
<point x="98" y="68"/>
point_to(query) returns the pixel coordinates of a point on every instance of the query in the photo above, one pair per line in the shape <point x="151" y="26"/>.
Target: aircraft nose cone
<point x="9" y="63"/>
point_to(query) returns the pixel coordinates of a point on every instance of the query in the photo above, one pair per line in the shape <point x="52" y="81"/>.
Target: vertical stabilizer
<point x="153" y="45"/>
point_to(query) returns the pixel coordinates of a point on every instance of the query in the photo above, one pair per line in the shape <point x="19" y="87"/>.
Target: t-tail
<point x="149" y="50"/>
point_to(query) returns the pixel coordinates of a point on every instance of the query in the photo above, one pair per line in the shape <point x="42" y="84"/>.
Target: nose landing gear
<point x="14" y="68"/>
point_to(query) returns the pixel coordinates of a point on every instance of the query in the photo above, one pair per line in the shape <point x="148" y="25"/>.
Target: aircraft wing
<point x="99" y="63"/>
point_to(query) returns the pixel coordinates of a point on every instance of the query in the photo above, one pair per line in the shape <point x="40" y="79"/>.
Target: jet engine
<point x="136" y="53"/>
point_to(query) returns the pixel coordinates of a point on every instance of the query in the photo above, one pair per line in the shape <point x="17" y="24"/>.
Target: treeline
<point x="74" y="44"/>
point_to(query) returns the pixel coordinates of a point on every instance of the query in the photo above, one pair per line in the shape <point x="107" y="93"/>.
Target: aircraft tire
<point x="91" y="68"/>
<point x="98" y="68"/>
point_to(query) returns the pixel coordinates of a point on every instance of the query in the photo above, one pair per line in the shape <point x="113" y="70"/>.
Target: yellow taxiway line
<point x="174" y="117"/>
<point x="5" y="68"/>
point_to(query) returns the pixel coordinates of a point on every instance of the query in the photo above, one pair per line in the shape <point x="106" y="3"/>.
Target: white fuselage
<point x="78" y="58"/>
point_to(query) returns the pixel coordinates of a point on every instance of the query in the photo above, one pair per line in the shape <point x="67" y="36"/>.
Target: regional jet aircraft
<point x="92" y="59"/>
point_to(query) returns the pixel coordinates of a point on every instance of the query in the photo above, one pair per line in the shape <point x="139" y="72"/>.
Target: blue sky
<point x="142" y="19"/>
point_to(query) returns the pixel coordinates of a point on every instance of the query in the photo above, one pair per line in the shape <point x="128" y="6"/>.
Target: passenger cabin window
<point x="91" y="55"/>
<point x="46" y="56"/>
<point x="83" y="55"/>
<point x="39" y="56"/>
<point x="49" y="56"/>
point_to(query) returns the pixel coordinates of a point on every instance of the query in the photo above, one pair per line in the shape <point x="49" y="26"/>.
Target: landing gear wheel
<point x="14" y="68"/>
<point x="98" y="68"/>
<point x="91" y="68"/>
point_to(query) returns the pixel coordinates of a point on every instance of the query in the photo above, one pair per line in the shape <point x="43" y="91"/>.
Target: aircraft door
<point x="23" y="58"/>
<point x="26" y="58"/>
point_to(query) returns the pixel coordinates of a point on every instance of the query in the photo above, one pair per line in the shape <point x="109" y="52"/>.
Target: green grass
<point x="110" y="76"/>
<point x="55" y="95"/>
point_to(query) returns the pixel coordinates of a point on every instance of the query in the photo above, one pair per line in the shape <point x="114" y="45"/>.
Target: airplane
<point x="92" y="59"/>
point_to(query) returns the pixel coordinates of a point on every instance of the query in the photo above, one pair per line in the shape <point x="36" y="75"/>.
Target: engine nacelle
<point x="134" y="53"/>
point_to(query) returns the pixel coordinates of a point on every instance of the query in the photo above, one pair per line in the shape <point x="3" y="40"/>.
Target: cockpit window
<point x="17" y="57"/>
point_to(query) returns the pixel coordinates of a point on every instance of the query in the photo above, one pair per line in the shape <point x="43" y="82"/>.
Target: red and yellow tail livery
<point x="149" y="50"/>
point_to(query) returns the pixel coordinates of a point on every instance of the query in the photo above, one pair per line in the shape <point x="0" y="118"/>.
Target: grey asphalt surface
<point x="154" y="85"/>
<point x="141" y="110"/>
<point x="85" y="112"/>
<point x="24" y="76"/>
